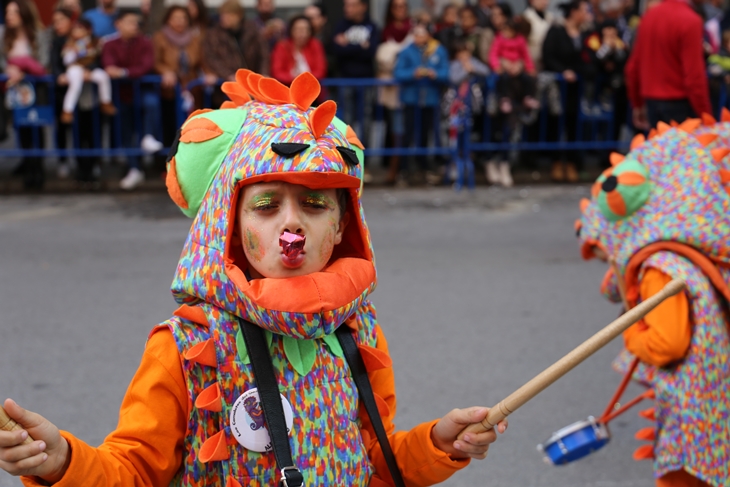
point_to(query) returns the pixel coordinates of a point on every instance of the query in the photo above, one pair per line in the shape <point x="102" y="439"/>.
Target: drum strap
<point x="269" y="395"/>
<point x="360" y="376"/>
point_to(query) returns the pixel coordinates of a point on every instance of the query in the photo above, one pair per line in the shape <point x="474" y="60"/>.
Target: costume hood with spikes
<point x="670" y="192"/>
<point x="268" y="132"/>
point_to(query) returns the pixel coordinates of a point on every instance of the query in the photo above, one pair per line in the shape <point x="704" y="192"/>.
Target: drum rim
<point x="577" y="426"/>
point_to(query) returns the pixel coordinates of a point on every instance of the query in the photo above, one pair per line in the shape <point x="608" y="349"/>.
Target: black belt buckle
<point x="291" y="477"/>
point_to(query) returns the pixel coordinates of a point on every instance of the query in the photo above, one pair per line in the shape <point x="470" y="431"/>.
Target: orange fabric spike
<point x="616" y="158"/>
<point x="719" y="154"/>
<point x="662" y="127"/>
<point x="235" y="92"/>
<point x="673" y="123"/>
<point x="374" y="359"/>
<point x="173" y="186"/>
<point x="725" y="115"/>
<point x="203" y="353"/>
<point x="631" y="179"/>
<point x="724" y="176"/>
<point x="352" y="138"/>
<point x="383" y="407"/>
<point x="322" y="117"/>
<point x="199" y="111"/>
<point x="596" y="189"/>
<point x="646" y="434"/>
<point x="708" y="119"/>
<point x="304" y="90"/>
<point x="637" y="141"/>
<point x="214" y="449"/>
<point x="275" y="91"/>
<point x="253" y="85"/>
<point x="199" y="130"/>
<point x="616" y="203"/>
<point x="690" y="125"/>
<point x="231" y="482"/>
<point x="242" y="79"/>
<point x="648" y="414"/>
<point x="192" y="313"/>
<point x="584" y="202"/>
<point x="577" y="225"/>
<point x="652" y="133"/>
<point x="210" y="399"/>
<point x="228" y="104"/>
<point x="644" y="452"/>
<point x="707" y="139"/>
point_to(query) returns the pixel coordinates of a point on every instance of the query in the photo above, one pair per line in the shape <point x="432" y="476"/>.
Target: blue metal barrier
<point x="357" y="103"/>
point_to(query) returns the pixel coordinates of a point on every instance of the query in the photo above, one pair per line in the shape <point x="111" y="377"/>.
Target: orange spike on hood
<point x="690" y="125"/>
<point x="616" y="158"/>
<point x="708" y="119"/>
<point x="719" y="153"/>
<point x="725" y="115"/>
<point x="706" y="139"/>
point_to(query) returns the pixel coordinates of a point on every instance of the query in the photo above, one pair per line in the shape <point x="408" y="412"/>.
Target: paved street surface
<point x="476" y="294"/>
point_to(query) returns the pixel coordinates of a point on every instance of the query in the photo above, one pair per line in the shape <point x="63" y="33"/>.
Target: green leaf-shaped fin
<point x="334" y="345"/>
<point x="202" y="149"/>
<point x="300" y="353"/>
<point x="241" y="345"/>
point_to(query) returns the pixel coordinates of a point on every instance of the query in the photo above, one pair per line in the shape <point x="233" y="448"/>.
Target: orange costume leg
<point x="680" y="478"/>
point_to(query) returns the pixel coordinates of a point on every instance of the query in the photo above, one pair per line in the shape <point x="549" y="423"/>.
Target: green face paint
<point x="252" y="244"/>
<point x="316" y="199"/>
<point x="262" y="201"/>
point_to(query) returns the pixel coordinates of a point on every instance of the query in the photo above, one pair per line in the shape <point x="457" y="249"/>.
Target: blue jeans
<point x="148" y="118"/>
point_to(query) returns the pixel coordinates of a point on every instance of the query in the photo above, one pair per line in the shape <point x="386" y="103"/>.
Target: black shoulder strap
<point x="360" y="376"/>
<point x="268" y="388"/>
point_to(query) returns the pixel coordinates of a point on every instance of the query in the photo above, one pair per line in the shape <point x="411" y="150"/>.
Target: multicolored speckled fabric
<point x="689" y="204"/>
<point x="326" y="442"/>
<point x="692" y="396"/>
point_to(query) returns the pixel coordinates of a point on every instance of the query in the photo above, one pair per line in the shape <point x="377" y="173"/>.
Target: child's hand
<point x="47" y="457"/>
<point x="444" y="433"/>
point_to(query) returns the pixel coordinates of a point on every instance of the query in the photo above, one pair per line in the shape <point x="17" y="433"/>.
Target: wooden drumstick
<point x="548" y="376"/>
<point x="8" y="424"/>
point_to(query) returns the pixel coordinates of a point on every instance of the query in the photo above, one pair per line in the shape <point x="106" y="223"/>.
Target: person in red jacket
<point x="298" y="53"/>
<point x="666" y="75"/>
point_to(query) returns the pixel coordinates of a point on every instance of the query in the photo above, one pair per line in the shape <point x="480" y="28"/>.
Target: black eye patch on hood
<point x="173" y="148"/>
<point x="288" y="149"/>
<point x="349" y="155"/>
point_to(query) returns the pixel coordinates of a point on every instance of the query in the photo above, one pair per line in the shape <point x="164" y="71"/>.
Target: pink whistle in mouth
<point x="292" y="244"/>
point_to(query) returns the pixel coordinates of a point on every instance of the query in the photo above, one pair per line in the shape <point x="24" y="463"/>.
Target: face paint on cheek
<point x="328" y="243"/>
<point x="252" y="244"/>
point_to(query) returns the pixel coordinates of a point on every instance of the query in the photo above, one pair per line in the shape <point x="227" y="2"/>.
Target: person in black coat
<point x="563" y="54"/>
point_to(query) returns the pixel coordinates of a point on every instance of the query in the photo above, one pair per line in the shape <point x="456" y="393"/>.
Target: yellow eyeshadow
<point x="318" y="199"/>
<point x="262" y="200"/>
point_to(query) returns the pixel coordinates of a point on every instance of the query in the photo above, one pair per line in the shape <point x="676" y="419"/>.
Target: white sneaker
<point x="63" y="171"/>
<point x="505" y="175"/>
<point x="493" y="175"/>
<point x="134" y="178"/>
<point x="151" y="145"/>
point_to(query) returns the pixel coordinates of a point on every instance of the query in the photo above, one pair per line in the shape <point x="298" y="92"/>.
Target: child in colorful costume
<point x="235" y="170"/>
<point x="663" y="212"/>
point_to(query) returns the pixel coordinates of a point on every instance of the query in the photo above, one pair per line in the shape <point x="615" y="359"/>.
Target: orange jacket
<point x="146" y="449"/>
<point x="664" y="335"/>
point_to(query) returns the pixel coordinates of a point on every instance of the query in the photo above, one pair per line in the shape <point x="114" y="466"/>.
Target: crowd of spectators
<point x="585" y="44"/>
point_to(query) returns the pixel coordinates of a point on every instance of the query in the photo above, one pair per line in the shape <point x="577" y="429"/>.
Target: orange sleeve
<point x="664" y="335"/>
<point x="146" y="448"/>
<point x="420" y="462"/>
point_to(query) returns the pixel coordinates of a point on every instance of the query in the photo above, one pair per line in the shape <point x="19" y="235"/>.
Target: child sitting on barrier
<point x="80" y="55"/>
<point x="275" y="344"/>
<point x="509" y="57"/>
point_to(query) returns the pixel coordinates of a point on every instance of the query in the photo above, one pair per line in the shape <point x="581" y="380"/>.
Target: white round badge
<point x="247" y="421"/>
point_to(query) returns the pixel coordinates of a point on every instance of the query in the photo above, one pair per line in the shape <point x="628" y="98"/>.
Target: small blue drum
<point x="575" y="441"/>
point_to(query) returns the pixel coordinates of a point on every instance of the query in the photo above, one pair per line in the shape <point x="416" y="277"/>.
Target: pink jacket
<point x="514" y="49"/>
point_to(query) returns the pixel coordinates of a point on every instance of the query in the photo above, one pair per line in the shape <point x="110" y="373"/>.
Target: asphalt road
<point x="477" y="293"/>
